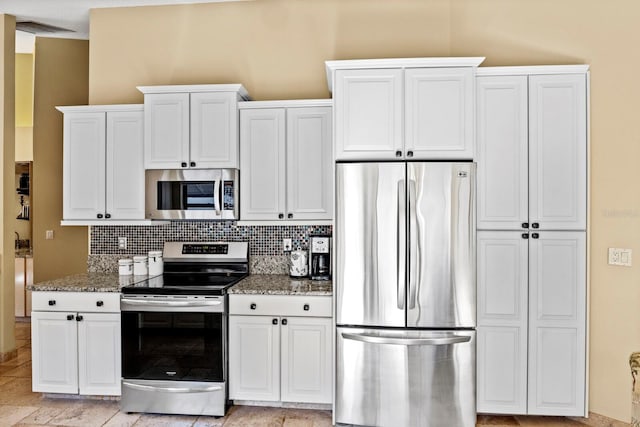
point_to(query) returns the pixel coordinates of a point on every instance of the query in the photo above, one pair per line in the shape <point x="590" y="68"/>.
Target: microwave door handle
<point x="217" y="195"/>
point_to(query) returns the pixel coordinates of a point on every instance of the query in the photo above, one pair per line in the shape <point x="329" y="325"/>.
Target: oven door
<point x="174" y="354"/>
<point x="191" y="194"/>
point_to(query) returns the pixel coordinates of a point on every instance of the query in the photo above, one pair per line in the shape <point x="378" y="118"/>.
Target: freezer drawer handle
<point x="172" y="389"/>
<point x="375" y="339"/>
<point x="139" y="302"/>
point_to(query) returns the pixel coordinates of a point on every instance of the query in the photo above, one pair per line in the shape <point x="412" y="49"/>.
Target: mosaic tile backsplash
<point x="263" y="240"/>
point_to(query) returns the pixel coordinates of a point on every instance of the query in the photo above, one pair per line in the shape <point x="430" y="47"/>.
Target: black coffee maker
<point x="320" y="257"/>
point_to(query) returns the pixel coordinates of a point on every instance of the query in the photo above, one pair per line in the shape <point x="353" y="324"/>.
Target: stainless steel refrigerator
<point x="405" y="294"/>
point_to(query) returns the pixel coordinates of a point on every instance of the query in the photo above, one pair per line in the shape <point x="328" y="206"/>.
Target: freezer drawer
<point x="407" y="378"/>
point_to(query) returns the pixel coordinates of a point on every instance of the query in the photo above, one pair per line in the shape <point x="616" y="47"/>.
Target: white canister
<point x="140" y="265"/>
<point x="156" y="266"/>
<point x="125" y="267"/>
<point x="298" y="264"/>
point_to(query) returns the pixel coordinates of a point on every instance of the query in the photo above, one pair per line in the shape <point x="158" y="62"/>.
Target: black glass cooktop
<point x="182" y="283"/>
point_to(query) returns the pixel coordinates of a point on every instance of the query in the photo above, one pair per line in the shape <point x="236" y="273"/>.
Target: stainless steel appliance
<point x="174" y="331"/>
<point x="320" y="257"/>
<point x="405" y="294"/>
<point x="210" y="194"/>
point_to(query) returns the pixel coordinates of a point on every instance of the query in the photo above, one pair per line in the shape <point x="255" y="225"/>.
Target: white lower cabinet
<point x="75" y="350"/>
<point x="531" y="352"/>
<point x="283" y="352"/>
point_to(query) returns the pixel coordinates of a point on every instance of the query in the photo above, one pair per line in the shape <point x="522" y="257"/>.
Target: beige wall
<point x="7" y="155"/>
<point x="61" y="78"/>
<point x="24" y="107"/>
<point x="277" y="49"/>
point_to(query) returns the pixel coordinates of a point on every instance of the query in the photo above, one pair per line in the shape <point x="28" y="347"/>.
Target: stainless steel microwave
<point x="206" y="194"/>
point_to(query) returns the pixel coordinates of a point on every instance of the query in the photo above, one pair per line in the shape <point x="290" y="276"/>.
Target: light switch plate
<point x="122" y="243"/>
<point x="620" y="256"/>
<point x="48" y="235"/>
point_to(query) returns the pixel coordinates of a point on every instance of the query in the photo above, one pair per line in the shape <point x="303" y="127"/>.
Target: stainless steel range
<point x="174" y="331"/>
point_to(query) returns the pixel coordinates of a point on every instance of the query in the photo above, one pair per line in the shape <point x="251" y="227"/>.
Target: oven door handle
<point x="143" y="302"/>
<point x="172" y="389"/>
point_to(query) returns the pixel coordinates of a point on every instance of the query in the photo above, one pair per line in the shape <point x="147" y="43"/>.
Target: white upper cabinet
<point x="558" y="151"/>
<point x="192" y="126"/>
<point x="286" y="160"/>
<point x="103" y="172"/>
<point x="502" y="152"/>
<point x="368" y="105"/>
<point x="439" y="113"/>
<point x="532" y="151"/>
<point x="418" y="108"/>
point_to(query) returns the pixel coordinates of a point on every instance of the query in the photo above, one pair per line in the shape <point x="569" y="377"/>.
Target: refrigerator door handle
<point x="401" y="244"/>
<point x="377" y="339"/>
<point x="413" y="244"/>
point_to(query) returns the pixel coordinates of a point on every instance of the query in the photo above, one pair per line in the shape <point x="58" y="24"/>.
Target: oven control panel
<point x="205" y="249"/>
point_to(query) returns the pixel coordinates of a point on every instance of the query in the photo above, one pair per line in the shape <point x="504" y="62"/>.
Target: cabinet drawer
<point x="99" y="302"/>
<point x="280" y="305"/>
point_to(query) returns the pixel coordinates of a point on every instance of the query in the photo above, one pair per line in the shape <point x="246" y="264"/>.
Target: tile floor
<point x="19" y="406"/>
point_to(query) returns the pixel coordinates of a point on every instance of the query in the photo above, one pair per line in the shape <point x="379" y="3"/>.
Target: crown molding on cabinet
<point x="532" y="70"/>
<point x="99" y="108"/>
<point x="242" y="92"/>
<point x="291" y="103"/>
<point x="332" y="66"/>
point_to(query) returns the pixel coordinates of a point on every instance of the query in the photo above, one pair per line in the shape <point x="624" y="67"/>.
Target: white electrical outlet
<point x="48" y="235"/>
<point x="619" y="256"/>
<point x="286" y="245"/>
<point x="122" y="243"/>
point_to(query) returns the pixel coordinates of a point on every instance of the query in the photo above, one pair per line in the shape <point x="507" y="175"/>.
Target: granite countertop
<point x="87" y="282"/>
<point x="281" y="284"/>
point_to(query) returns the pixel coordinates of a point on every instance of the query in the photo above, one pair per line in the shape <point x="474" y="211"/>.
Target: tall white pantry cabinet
<point x="532" y="212"/>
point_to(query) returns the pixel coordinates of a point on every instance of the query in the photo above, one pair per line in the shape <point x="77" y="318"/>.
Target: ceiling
<point x="72" y="15"/>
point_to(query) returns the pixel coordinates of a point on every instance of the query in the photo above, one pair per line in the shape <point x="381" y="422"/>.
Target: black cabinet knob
<point x="305" y="307"/>
<point x="290" y="215"/>
<point x="398" y="153"/>
<point x="535" y="235"/>
<point x="52" y="302"/>
<point x="183" y="164"/>
<point x="107" y="216"/>
<point x="284" y="322"/>
<point x="409" y="153"/>
<point x="281" y="215"/>
<point x="79" y="318"/>
<point x="525" y="235"/>
<point x="525" y="225"/>
<point x="535" y="225"/>
<point x="69" y="316"/>
<point x="99" y="303"/>
<point x="274" y="321"/>
<point x="253" y="306"/>
<point x="99" y="215"/>
<point x="192" y="164"/>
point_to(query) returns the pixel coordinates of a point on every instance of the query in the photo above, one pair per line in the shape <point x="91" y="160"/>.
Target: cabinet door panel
<point x="214" y="134"/>
<point x="309" y="163"/>
<point x="84" y="165"/>
<point x="54" y="353"/>
<point x="558" y="151"/>
<point x="502" y="322"/>
<point x="254" y="358"/>
<point x="439" y="112"/>
<point x="306" y="360"/>
<point x="557" y="323"/>
<point x="263" y="164"/>
<point x="502" y="152"/>
<point x="502" y="370"/>
<point x="166" y="130"/>
<point x="125" y="165"/>
<point x="99" y="363"/>
<point x="368" y="105"/>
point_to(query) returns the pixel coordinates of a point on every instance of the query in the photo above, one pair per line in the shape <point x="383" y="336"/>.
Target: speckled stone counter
<point x="281" y="284"/>
<point x="87" y="282"/>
